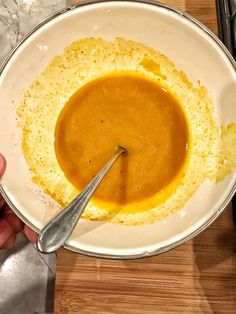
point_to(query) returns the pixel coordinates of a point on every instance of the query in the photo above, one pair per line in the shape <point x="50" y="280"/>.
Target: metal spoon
<point x="58" y="230"/>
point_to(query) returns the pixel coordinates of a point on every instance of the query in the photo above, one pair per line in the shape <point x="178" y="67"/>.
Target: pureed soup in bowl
<point x="151" y="87"/>
<point x="123" y="108"/>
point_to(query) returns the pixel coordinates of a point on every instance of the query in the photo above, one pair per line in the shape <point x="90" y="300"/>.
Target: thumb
<point x="3" y="165"/>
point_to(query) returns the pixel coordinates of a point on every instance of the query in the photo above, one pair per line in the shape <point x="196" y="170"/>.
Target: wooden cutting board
<point x="197" y="277"/>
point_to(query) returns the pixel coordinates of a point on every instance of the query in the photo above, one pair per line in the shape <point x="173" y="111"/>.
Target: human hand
<point x="10" y="224"/>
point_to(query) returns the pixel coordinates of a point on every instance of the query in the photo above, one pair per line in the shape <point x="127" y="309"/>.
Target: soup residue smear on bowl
<point x="99" y="94"/>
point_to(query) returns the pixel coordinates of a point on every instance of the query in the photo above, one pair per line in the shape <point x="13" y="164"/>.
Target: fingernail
<point x="1" y="159"/>
<point x="2" y="164"/>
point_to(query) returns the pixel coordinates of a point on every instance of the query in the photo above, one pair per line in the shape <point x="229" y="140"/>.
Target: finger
<point x="6" y="231"/>
<point x="10" y="242"/>
<point x="16" y="224"/>
<point x="3" y="165"/>
<point x="31" y="235"/>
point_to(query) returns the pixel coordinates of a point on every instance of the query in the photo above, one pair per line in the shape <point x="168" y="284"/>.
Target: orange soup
<point x="128" y="110"/>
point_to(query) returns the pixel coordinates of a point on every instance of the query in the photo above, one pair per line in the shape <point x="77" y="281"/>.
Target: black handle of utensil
<point x="225" y="30"/>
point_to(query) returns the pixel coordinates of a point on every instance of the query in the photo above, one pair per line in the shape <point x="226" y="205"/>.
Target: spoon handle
<point x="58" y="230"/>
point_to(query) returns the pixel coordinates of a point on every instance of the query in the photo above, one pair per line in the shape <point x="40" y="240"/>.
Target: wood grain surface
<point x="197" y="277"/>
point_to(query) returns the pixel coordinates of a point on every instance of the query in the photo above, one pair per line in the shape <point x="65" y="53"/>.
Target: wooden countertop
<point x="197" y="277"/>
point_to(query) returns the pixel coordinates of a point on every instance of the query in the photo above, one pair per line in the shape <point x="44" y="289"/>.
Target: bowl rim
<point x="227" y="198"/>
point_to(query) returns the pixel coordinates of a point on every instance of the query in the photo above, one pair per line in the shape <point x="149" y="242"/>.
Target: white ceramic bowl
<point x="191" y="46"/>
